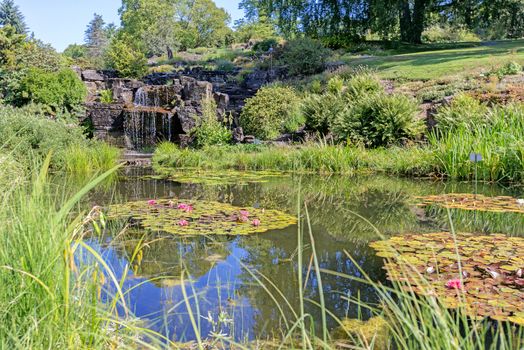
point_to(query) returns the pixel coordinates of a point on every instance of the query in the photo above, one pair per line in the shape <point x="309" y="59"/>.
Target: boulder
<point x="238" y="135"/>
<point x="92" y="75"/>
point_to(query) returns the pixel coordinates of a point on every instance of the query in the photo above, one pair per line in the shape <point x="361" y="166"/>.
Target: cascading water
<point x="147" y="115"/>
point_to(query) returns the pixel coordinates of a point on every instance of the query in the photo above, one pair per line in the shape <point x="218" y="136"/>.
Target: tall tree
<point x="11" y="15"/>
<point x="96" y="37"/>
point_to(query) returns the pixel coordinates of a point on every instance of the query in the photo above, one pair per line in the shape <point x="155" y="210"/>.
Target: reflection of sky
<point x="165" y="309"/>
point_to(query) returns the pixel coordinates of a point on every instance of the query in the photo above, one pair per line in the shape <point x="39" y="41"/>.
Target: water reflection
<point x="224" y="273"/>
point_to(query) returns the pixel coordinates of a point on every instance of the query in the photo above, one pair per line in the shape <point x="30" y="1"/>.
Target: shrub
<point x="335" y="85"/>
<point x="320" y="110"/>
<point x="463" y="111"/>
<point x="126" y="58"/>
<point x="442" y="34"/>
<point x="316" y="87"/>
<point x="26" y="133"/>
<point x="224" y="66"/>
<point x="164" y="68"/>
<point x="304" y="56"/>
<point x="265" y="45"/>
<point x="56" y="89"/>
<point x="379" y="120"/>
<point x="265" y="114"/>
<point x="209" y="131"/>
<point x="106" y="96"/>
<point x="362" y="84"/>
<point x="510" y="68"/>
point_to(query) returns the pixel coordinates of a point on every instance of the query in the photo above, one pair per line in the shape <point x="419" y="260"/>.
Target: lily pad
<point x="469" y="201"/>
<point x="200" y="217"/>
<point x="482" y="274"/>
<point x="215" y="177"/>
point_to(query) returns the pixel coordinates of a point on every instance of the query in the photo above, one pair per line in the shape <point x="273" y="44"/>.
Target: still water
<point x="252" y="281"/>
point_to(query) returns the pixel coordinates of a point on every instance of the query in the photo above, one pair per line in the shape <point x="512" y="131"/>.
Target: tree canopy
<point x="403" y="19"/>
<point x="11" y="15"/>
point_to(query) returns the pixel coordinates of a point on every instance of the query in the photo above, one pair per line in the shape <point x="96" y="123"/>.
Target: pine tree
<point x="11" y="15"/>
<point x="96" y="37"/>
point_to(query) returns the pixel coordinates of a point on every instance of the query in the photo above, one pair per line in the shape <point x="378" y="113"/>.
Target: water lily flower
<point x="151" y="202"/>
<point x="243" y="218"/>
<point x="520" y="273"/>
<point x="430" y="269"/>
<point x="183" y="223"/>
<point x="244" y="213"/>
<point x="520" y="201"/>
<point x="256" y="222"/>
<point x="171" y="204"/>
<point x="454" y="284"/>
<point x="188" y="209"/>
<point x="182" y="206"/>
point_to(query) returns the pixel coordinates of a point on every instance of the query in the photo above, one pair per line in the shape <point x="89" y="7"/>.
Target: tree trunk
<point x="412" y="21"/>
<point x="405" y="21"/>
<point x="169" y="53"/>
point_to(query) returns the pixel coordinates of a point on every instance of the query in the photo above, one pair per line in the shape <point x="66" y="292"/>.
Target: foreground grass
<point x="439" y="64"/>
<point x="51" y="294"/>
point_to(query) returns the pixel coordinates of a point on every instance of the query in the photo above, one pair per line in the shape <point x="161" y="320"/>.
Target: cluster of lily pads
<point x="483" y="275"/>
<point x="215" y="177"/>
<point x="468" y="201"/>
<point x="200" y="217"/>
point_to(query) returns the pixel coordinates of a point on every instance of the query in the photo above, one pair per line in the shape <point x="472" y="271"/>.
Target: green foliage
<point x="259" y="29"/>
<point x="497" y="136"/>
<point x="304" y="56"/>
<point x="379" y="120"/>
<point x="266" y="114"/>
<point x="335" y="85"/>
<point x="126" y="58"/>
<point x="27" y="133"/>
<point x="510" y="68"/>
<point x="209" y="131"/>
<point x="363" y="84"/>
<point x="10" y="15"/>
<point x="320" y="111"/>
<point x="463" y="111"/>
<point x="264" y="45"/>
<point x="106" y="96"/>
<point x="88" y="158"/>
<point x="55" y="89"/>
<point x="446" y="33"/>
<point x="75" y="51"/>
<point x="224" y="66"/>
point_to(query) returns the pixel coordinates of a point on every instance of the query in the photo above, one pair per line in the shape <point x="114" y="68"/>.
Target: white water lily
<point x="520" y="201"/>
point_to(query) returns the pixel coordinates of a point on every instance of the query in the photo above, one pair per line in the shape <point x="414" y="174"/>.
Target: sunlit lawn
<point x="444" y="63"/>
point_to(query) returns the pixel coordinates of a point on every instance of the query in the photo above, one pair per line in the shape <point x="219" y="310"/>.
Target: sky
<point x="63" y="22"/>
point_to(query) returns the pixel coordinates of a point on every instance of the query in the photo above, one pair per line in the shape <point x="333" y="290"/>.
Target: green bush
<point x="209" y="131"/>
<point x="320" y="110"/>
<point x="25" y="134"/>
<point x="379" y="120"/>
<point x="362" y="84"/>
<point x="55" y="89"/>
<point x="126" y="58"/>
<point x="463" y="111"/>
<point x="106" y="96"/>
<point x="266" y="114"/>
<point x="442" y="34"/>
<point x="224" y="66"/>
<point x="304" y="56"/>
<point x="510" y="68"/>
<point x="264" y="45"/>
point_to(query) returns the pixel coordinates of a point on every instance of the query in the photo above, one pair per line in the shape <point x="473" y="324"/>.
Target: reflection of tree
<point x="274" y="256"/>
<point x="166" y="257"/>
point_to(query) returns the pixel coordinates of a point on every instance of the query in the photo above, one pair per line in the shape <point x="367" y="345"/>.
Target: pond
<point x="247" y="287"/>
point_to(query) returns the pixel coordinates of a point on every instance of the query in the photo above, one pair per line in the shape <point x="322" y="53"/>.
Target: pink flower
<point x="183" y="223"/>
<point x="171" y="204"/>
<point x="189" y="209"/>
<point x="454" y="284"/>
<point x="244" y="213"/>
<point x="255" y="222"/>
<point x="183" y="206"/>
<point x="151" y="202"/>
<point x="243" y="219"/>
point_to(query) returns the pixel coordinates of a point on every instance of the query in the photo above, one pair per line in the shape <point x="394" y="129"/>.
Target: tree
<point x="126" y="57"/>
<point x="11" y="15"/>
<point x="75" y="51"/>
<point x="96" y="37"/>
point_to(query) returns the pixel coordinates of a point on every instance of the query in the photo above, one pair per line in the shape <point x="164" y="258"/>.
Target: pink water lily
<point x="151" y="202"/>
<point x="454" y="284"/>
<point x="188" y="208"/>
<point x="243" y="219"/>
<point x="171" y="204"/>
<point x="183" y="223"/>
<point x="244" y="213"/>
<point x="182" y="206"/>
<point x="256" y="222"/>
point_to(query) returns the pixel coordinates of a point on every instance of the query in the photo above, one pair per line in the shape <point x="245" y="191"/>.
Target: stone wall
<point x="147" y="112"/>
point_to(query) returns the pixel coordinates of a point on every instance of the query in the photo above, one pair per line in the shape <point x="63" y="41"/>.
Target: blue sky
<point x="63" y="22"/>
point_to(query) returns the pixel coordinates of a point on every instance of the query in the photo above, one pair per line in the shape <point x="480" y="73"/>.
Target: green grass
<point x="50" y="299"/>
<point x="88" y="160"/>
<point x="442" y="63"/>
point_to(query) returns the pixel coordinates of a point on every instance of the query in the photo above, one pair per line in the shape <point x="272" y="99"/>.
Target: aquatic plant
<point x="482" y="275"/>
<point x="215" y="177"/>
<point x="469" y="201"/>
<point x="201" y="217"/>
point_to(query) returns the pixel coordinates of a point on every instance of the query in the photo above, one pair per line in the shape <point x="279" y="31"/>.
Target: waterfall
<point x="141" y="126"/>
